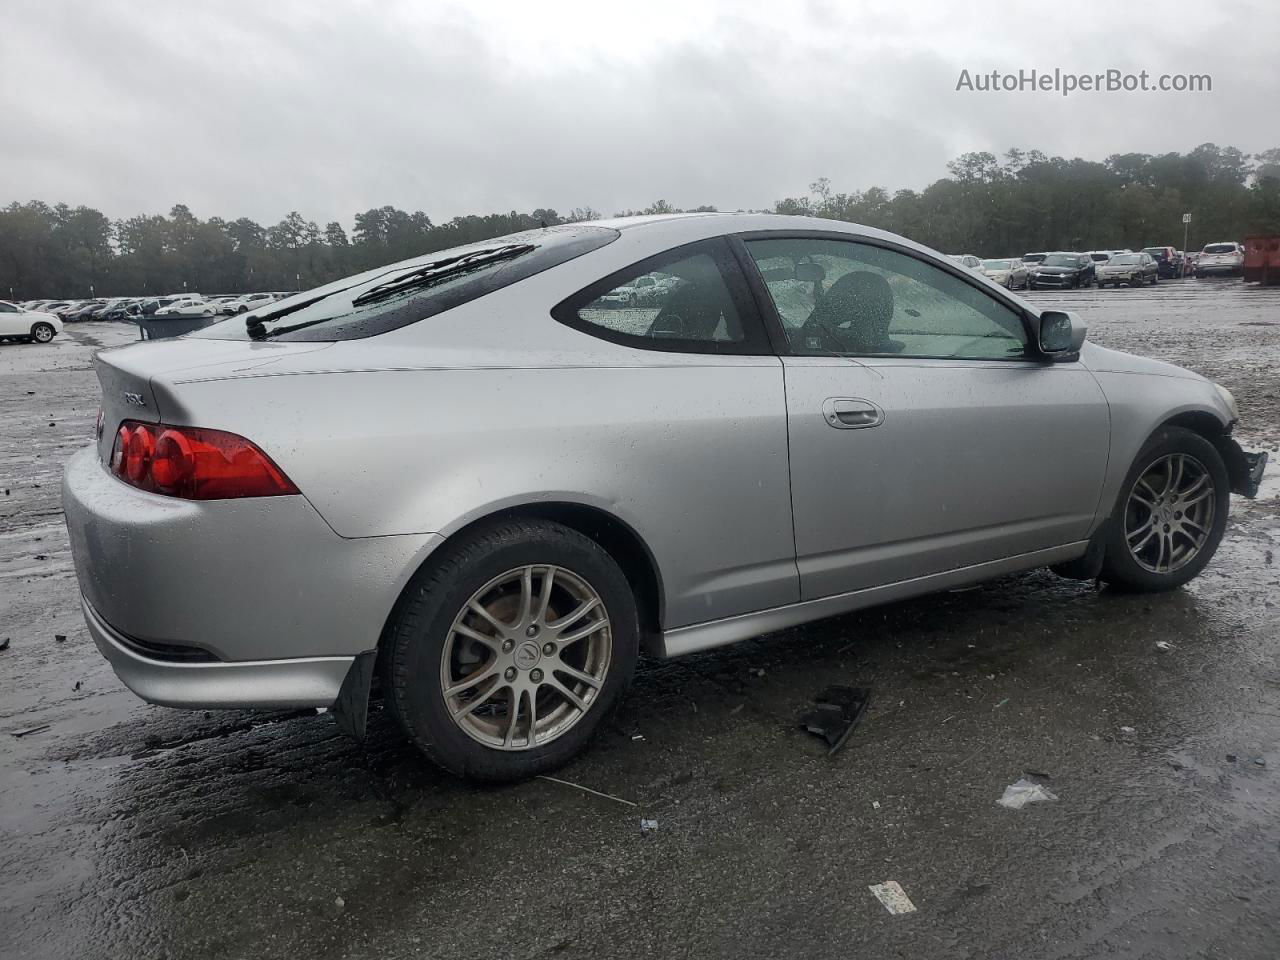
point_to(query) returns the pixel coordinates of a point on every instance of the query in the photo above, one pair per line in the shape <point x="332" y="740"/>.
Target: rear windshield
<point x="1220" y="248"/>
<point x="403" y="293"/>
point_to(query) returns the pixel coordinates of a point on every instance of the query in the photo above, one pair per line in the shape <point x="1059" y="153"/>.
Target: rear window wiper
<point x="440" y="271"/>
<point x="432" y="273"/>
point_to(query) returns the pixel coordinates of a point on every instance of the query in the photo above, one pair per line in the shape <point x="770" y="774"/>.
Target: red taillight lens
<point x="194" y="463"/>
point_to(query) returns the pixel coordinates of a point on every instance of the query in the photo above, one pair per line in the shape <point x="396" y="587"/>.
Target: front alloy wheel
<point x="526" y="657"/>
<point x="1169" y="515"/>
<point x="42" y="333"/>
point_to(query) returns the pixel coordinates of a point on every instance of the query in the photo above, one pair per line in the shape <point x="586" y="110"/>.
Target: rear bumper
<point x="229" y="583"/>
<point x="258" y="684"/>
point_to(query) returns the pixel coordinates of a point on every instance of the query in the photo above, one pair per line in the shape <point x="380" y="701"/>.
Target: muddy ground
<point x="135" y="831"/>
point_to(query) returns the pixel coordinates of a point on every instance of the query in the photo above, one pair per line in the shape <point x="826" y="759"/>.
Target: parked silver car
<point x="1134" y="269"/>
<point x="470" y="476"/>
<point x="1011" y="273"/>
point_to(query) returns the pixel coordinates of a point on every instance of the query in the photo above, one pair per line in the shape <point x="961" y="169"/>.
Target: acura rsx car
<point x="472" y="477"/>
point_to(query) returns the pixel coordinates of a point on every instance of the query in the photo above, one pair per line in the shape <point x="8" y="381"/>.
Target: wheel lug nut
<point x="549" y="649"/>
<point x="531" y="630"/>
<point x="536" y="676"/>
<point x="1177" y="514"/>
<point x="508" y="646"/>
<point x="509" y="673"/>
<point x="1166" y="528"/>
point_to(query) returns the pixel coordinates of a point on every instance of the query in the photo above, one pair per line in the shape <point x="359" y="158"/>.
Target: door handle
<point x="851" y="413"/>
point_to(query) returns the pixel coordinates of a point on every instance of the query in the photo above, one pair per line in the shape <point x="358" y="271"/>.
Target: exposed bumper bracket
<point x="1244" y="469"/>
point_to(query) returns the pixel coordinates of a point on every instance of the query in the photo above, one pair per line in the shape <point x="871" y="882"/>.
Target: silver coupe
<point x="483" y="482"/>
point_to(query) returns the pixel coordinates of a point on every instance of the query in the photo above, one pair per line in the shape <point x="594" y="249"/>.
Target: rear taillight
<point x="194" y="463"/>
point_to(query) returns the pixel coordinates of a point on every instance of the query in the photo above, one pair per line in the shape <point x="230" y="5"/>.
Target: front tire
<point x="510" y="649"/>
<point x="42" y="332"/>
<point x="1171" y="513"/>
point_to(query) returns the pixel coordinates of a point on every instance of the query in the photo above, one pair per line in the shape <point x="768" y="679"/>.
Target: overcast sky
<point x="258" y="108"/>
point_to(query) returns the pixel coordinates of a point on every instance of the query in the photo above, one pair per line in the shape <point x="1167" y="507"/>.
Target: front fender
<point x="1141" y="403"/>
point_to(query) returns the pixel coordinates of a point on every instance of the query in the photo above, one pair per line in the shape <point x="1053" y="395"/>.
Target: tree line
<point x="989" y="205"/>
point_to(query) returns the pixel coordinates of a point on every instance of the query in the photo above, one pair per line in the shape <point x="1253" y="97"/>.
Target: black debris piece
<point x="836" y="712"/>
<point x="4" y="645"/>
<point x="29" y="730"/>
<point x="60" y="637"/>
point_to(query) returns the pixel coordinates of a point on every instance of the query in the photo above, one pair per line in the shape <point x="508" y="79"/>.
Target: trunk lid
<point x="137" y="380"/>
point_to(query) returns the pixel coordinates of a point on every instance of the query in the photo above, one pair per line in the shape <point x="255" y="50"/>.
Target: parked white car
<point x="250" y="301"/>
<point x="19" y="323"/>
<point x="188" y="307"/>
<point x="967" y="260"/>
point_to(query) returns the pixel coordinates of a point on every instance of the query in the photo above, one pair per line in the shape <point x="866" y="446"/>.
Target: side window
<point x="8" y="308"/>
<point x="844" y="297"/>
<point x="691" y="299"/>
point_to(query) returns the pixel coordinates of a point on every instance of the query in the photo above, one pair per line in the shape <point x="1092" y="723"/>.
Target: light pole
<point x="1186" y="226"/>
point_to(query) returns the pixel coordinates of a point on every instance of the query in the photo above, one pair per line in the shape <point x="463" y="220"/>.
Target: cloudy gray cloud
<point x="257" y="108"/>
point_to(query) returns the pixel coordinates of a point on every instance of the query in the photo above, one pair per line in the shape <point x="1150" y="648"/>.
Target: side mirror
<point x="1059" y="333"/>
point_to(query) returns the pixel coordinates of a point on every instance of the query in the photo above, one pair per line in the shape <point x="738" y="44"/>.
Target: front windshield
<point x="1127" y="258"/>
<point x="399" y="294"/>
<point x="997" y="264"/>
<point x="1154" y="251"/>
<point x="1059" y="260"/>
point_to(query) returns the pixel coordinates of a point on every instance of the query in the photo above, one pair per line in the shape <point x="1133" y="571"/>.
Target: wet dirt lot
<point x="135" y="831"/>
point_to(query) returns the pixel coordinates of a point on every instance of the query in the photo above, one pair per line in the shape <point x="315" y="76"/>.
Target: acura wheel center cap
<point x="527" y="655"/>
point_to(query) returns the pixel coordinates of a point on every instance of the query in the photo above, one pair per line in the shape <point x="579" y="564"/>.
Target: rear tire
<point x="433" y="645"/>
<point x="1141" y="539"/>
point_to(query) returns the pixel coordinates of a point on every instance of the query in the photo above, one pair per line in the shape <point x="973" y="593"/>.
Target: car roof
<point x="673" y="229"/>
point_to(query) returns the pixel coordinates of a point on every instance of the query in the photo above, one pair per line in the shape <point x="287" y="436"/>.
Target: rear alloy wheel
<point x="511" y="650"/>
<point x="1172" y="514"/>
<point x="42" y="333"/>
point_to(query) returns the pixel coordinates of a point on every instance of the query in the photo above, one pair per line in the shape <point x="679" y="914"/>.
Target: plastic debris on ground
<point x="30" y="730"/>
<point x="1164" y="645"/>
<point x="1023" y="791"/>
<point x="894" y="898"/>
<point x="648" y="826"/>
<point x="836" y="712"/>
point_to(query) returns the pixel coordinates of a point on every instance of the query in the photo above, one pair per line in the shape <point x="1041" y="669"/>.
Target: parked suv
<point x="1217" y="259"/>
<point x="1063" y="270"/>
<point x="1167" y="261"/>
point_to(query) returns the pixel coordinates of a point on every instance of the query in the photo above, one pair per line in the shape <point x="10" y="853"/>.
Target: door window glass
<point x="849" y="298"/>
